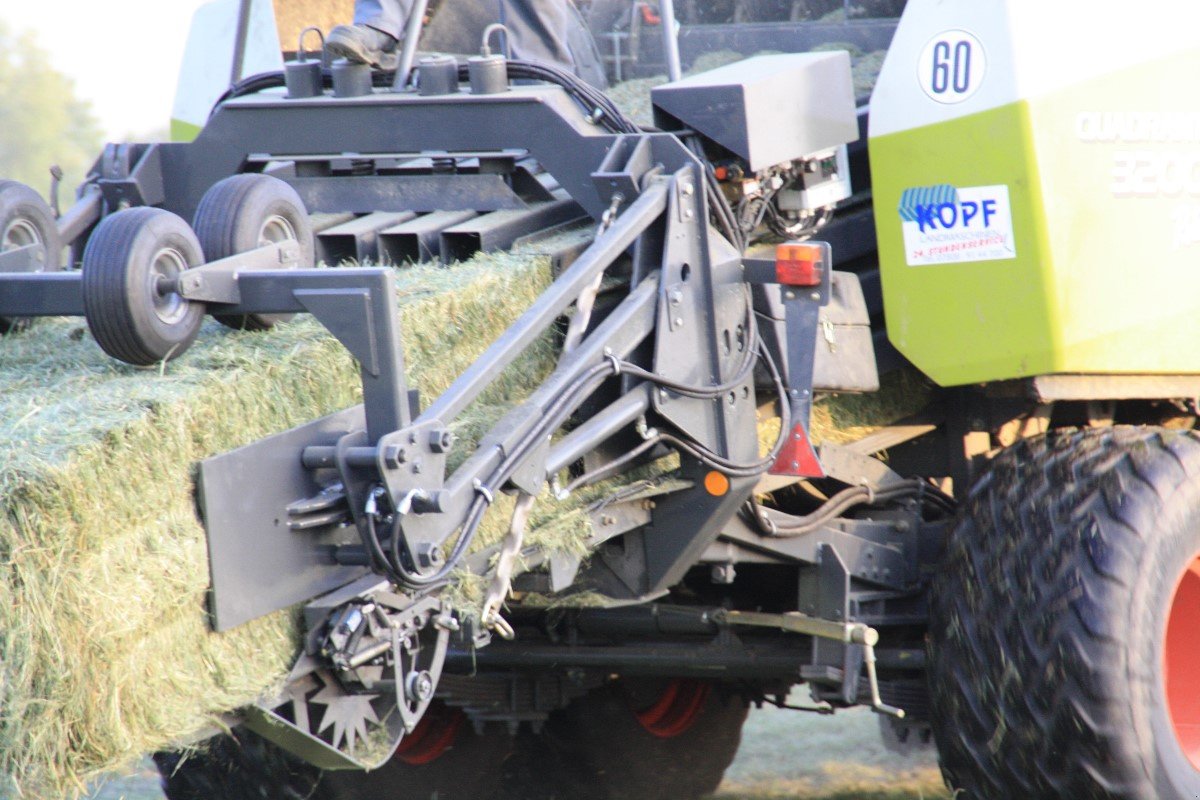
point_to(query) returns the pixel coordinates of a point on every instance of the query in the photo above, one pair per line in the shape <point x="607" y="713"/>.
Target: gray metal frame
<point x="322" y="485"/>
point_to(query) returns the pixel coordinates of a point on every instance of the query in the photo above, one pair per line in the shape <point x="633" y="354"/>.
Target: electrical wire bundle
<point x="844" y="501"/>
<point x="394" y="562"/>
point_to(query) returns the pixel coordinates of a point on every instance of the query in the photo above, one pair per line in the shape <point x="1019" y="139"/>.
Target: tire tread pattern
<point x="1029" y="668"/>
<point x="217" y="222"/>
<point x="106" y="286"/>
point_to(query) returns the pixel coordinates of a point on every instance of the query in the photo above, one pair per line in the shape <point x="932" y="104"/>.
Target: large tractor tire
<point x="641" y="740"/>
<point x="443" y="758"/>
<point x="1065" y="625"/>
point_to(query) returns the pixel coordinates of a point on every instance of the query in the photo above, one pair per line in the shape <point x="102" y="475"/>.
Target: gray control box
<point x="769" y="109"/>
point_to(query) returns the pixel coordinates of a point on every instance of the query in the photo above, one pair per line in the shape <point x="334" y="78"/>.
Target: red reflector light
<point x="798" y="458"/>
<point x="799" y="264"/>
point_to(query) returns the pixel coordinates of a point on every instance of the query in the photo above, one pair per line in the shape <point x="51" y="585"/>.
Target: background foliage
<point x="42" y="121"/>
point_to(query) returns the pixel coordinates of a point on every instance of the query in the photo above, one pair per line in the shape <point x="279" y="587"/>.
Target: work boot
<point x="363" y="44"/>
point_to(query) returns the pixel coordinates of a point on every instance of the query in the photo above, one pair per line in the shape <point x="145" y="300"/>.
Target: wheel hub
<point x="1181" y="663"/>
<point x="22" y="233"/>
<point x="165" y="269"/>
<point x="676" y="709"/>
<point x="276" y="229"/>
<point x="432" y="737"/>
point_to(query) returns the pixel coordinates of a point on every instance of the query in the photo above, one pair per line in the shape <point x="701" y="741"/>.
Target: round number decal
<point x="952" y="66"/>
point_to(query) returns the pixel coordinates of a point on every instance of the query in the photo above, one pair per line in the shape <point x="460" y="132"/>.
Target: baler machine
<point x="355" y="515"/>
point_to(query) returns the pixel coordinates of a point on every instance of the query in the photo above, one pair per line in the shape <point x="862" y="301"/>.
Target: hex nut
<point x="394" y="456"/>
<point x="429" y="555"/>
<point x="441" y="440"/>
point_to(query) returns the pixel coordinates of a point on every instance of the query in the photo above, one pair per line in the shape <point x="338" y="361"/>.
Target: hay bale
<point x="105" y="651"/>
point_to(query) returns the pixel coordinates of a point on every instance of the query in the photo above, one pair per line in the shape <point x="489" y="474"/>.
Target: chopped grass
<point x="105" y="651"/>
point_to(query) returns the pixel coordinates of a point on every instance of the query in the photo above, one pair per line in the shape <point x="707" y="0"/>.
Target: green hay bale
<point x="105" y="652"/>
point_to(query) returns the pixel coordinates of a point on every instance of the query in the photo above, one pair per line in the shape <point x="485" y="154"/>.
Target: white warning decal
<point x="947" y="225"/>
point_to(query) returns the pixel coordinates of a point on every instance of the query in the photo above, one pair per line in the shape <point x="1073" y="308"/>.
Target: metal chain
<point x="587" y="298"/>
<point x="510" y="549"/>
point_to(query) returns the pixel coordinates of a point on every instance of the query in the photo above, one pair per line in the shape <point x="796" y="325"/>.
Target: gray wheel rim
<point x="23" y="233"/>
<point x="165" y="268"/>
<point x="276" y="229"/>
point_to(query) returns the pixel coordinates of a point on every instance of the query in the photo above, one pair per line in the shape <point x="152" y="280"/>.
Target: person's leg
<point x="374" y="37"/>
<point x="389" y="16"/>
<point x="553" y="31"/>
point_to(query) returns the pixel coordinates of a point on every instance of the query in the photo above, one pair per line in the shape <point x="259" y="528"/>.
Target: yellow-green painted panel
<point x="1120" y="169"/>
<point x="184" y="131"/>
<point x="966" y="321"/>
<point x="1103" y="181"/>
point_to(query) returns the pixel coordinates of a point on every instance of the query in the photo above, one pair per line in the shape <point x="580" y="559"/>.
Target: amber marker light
<point x="716" y="484"/>
<point x="800" y="263"/>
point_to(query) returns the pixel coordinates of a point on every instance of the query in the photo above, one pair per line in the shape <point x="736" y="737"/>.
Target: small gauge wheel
<point x="130" y="269"/>
<point x="246" y="212"/>
<point x="27" y="221"/>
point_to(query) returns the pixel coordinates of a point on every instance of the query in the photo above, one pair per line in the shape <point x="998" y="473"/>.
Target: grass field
<point x="785" y="755"/>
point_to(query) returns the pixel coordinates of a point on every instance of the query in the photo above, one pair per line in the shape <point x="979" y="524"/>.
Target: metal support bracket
<point x="217" y="281"/>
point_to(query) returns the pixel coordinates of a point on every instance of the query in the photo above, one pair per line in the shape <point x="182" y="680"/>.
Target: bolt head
<point x="420" y="686"/>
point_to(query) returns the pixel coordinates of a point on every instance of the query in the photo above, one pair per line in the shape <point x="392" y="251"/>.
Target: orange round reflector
<point x="716" y="484"/>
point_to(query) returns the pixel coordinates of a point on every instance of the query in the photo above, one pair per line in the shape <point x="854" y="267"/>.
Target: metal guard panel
<point x="256" y="563"/>
<point x="768" y="109"/>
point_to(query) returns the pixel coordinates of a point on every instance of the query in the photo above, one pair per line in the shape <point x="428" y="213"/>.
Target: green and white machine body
<point x="218" y="53"/>
<point x="1036" y="177"/>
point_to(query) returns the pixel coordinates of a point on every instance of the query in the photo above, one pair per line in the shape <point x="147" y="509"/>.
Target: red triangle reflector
<point x="797" y="458"/>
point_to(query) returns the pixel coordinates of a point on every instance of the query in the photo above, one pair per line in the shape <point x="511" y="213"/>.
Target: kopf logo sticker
<point x="947" y="225"/>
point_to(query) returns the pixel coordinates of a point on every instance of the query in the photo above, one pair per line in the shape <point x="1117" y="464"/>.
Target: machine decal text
<point x="946" y="225"/>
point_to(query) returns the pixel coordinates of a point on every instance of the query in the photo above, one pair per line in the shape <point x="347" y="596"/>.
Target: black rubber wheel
<point x="27" y="220"/>
<point x="640" y="740"/>
<point x="443" y="758"/>
<point x="1053" y="670"/>
<point x="128" y="265"/>
<point x="245" y="212"/>
<point x="904" y="737"/>
<point x="241" y="766"/>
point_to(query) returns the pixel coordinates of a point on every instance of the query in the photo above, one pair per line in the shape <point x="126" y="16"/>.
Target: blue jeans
<point x="550" y="31"/>
<point x="388" y="16"/>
